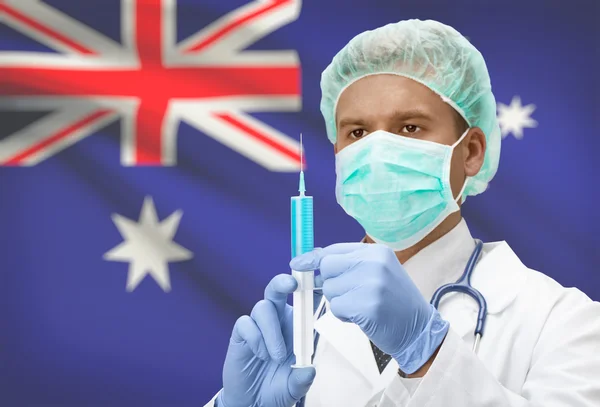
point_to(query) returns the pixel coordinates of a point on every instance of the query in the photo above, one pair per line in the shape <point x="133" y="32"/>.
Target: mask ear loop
<point x="460" y="139"/>
<point x="462" y="190"/>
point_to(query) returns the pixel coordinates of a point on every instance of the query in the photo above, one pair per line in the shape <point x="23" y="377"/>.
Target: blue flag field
<point x="149" y="149"/>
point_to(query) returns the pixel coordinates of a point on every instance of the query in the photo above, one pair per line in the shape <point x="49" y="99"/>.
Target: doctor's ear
<point x="473" y="151"/>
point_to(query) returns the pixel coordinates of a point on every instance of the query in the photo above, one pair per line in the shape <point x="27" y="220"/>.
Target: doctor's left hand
<point x="366" y="284"/>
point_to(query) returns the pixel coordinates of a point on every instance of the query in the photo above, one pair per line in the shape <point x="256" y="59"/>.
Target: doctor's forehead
<point x="390" y="97"/>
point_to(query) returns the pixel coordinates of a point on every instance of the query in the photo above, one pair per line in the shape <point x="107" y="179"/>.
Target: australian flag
<point x="148" y="150"/>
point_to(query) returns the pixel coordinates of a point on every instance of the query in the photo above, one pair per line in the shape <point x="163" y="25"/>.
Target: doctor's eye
<point x="358" y="133"/>
<point x="410" y="128"/>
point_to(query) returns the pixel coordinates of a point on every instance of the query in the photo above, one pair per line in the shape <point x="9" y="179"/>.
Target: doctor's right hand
<point x="257" y="370"/>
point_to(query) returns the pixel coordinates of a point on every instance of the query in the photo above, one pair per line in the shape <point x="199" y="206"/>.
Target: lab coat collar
<point x="442" y="261"/>
<point x="497" y="276"/>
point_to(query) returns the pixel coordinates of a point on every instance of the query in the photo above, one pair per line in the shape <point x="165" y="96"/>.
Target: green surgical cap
<point x="432" y="54"/>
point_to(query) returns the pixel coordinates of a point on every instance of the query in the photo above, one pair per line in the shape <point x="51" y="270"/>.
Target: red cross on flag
<point x="151" y="82"/>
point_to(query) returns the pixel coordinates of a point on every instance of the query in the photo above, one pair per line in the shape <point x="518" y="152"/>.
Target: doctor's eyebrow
<point x="397" y="116"/>
<point x="404" y="115"/>
<point x="349" y="121"/>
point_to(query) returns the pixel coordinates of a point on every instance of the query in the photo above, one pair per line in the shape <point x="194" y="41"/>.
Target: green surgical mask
<point x="397" y="188"/>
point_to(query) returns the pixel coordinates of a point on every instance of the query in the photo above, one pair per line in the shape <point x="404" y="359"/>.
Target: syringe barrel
<point x="302" y="225"/>
<point x="303" y="307"/>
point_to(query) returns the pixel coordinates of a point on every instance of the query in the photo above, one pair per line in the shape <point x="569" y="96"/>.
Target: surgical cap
<point x="432" y="54"/>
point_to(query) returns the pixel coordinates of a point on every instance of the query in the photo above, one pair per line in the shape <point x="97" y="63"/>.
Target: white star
<point x="148" y="246"/>
<point x="514" y="118"/>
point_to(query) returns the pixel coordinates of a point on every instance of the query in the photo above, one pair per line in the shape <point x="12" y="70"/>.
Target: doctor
<point x="410" y="112"/>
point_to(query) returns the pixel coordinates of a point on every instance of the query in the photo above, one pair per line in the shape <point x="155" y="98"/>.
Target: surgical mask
<point x="397" y="188"/>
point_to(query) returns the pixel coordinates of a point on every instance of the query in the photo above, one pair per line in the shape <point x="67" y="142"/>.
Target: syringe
<point x="303" y="242"/>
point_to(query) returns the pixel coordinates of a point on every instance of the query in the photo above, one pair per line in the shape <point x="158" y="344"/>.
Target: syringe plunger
<point x="303" y="318"/>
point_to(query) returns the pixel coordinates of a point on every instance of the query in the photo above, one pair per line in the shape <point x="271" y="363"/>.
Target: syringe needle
<point x="301" y="154"/>
<point x="301" y="186"/>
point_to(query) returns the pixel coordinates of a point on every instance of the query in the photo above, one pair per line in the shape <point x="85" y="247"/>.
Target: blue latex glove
<point x="257" y="370"/>
<point x="366" y="284"/>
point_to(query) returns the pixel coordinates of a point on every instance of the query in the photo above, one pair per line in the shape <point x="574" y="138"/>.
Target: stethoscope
<point x="462" y="285"/>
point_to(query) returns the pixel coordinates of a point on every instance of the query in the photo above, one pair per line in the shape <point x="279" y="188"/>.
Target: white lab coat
<point x="541" y="347"/>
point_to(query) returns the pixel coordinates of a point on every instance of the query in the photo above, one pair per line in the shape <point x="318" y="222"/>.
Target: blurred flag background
<point x="148" y="150"/>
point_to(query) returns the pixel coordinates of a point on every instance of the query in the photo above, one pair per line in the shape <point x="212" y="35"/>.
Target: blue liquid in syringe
<point x="302" y="221"/>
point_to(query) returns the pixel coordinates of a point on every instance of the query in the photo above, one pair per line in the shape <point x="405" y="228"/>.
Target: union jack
<point x="151" y="81"/>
